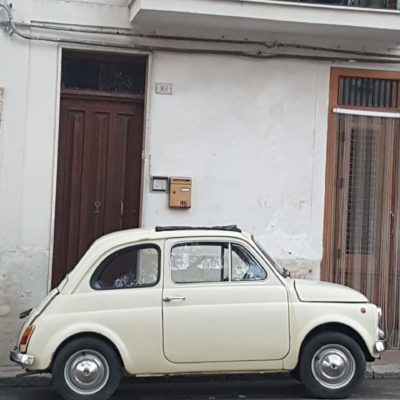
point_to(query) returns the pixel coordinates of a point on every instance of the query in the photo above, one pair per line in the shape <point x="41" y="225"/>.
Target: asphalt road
<point x="218" y="388"/>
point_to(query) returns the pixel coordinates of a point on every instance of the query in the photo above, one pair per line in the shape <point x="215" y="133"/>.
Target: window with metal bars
<point x="368" y="92"/>
<point x="103" y="75"/>
<point x="360" y="218"/>
<point x="378" y="4"/>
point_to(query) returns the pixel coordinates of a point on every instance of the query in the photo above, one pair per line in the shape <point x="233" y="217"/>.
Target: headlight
<point x="381" y="334"/>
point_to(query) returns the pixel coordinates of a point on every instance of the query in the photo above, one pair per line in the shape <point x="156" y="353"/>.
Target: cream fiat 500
<point x="179" y="300"/>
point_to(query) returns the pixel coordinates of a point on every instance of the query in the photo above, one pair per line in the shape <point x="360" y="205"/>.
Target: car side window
<point x="131" y="267"/>
<point x="244" y="266"/>
<point x="200" y="262"/>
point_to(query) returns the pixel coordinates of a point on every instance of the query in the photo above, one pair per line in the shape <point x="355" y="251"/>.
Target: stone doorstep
<point x="8" y="376"/>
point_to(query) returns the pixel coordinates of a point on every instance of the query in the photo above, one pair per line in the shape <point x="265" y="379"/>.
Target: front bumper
<point x="381" y="344"/>
<point x="23" y="359"/>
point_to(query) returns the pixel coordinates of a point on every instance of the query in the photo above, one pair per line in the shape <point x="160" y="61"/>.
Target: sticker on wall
<point x="164" y="88"/>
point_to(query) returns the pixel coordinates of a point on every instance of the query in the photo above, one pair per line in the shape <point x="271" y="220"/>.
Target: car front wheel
<point x="86" y="368"/>
<point x="332" y="365"/>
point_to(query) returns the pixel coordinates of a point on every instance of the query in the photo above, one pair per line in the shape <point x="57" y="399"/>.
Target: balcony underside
<point x="268" y="21"/>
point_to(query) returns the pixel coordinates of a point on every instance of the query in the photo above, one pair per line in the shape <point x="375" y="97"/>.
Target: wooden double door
<point x="99" y="172"/>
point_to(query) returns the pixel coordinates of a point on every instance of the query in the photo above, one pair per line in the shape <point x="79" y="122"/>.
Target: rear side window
<point x="131" y="267"/>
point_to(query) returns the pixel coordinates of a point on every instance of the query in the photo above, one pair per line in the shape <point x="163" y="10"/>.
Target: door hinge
<point x="338" y="253"/>
<point x="121" y="209"/>
<point x="341" y="183"/>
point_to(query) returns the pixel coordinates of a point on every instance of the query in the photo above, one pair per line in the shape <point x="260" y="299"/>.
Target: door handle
<point x="168" y="299"/>
<point x="392" y="222"/>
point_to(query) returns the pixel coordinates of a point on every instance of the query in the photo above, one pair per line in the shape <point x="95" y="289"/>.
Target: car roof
<point x="165" y="232"/>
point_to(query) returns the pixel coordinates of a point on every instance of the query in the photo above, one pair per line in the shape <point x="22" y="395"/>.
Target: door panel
<point x="99" y="172"/>
<point x="225" y="321"/>
<point x="362" y="228"/>
<point x="365" y="210"/>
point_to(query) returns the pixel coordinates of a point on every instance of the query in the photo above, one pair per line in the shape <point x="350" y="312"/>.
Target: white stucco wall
<point x="29" y="73"/>
<point x="26" y="168"/>
<point x="252" y="135"/>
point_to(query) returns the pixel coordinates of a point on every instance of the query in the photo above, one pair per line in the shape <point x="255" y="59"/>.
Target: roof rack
<point x="231" y="228"/>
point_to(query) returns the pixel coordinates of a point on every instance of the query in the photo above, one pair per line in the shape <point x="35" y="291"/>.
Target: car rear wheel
<point x="86" y="368"/>
<point x="332" y="365"/>
<point x="295" y="374"/>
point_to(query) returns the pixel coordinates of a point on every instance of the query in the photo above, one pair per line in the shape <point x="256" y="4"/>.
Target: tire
<point x="332" y="365"/>
<point x="86" y="368"/>
<point x="295" y="374"/>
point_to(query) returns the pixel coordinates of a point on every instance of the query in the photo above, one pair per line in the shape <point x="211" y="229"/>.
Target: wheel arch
<point x="337" y="327"/>
<point x="82" y="335"/>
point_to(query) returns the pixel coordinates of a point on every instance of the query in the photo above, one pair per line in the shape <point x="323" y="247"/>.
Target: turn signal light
<point x="23" y="343"/>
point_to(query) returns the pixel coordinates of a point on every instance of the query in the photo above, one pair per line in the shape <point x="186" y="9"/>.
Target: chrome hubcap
<point x="333" y="366"/>
<point x="86" y="372"/>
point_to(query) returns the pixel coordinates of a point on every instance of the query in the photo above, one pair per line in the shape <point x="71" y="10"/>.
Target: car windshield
<point x="283" y="271"/>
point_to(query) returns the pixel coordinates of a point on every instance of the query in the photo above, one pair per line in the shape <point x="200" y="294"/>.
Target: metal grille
<point x="380" y="4"/>
<point x="360" y="226"/>
<point x="104" y="76"/>
<point x="365" y="92"/>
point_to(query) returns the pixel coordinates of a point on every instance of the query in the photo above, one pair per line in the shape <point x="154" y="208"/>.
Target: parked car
<point x="180" y="300"/>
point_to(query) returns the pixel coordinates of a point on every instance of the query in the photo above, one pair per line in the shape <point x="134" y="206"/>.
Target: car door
<point x="221" y="303"/>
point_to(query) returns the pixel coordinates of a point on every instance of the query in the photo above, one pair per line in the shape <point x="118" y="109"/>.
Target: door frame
<point x="329" y="240"/>
<point x="145" y="140"/>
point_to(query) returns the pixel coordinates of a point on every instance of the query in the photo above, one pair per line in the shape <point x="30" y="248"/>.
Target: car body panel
<point x="220" y="327"/>
<point x="314" y="291"/>
<point x="305" y="319"/>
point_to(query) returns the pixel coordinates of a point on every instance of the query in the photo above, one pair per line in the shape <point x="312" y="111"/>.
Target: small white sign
<point x="164" y="88"/>
<point x="160" y="184"/>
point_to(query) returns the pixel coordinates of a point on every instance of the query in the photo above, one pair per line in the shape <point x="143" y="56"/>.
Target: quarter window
<point x="132" y="267"/>
<point x="244" y="266"/>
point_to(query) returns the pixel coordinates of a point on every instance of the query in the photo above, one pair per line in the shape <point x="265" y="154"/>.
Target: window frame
<point x="104" y="57"/>
<point x="218" y="241"/>
<point x="330" y="248"/>
<point x="105" y="262"/>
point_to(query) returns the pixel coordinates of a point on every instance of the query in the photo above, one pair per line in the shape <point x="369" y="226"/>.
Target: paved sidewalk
<point x="386" y="368"/>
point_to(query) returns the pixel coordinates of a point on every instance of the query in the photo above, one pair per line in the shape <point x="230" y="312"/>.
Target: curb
<point x="388" y="371"/>
<point x="383" y="371"/>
